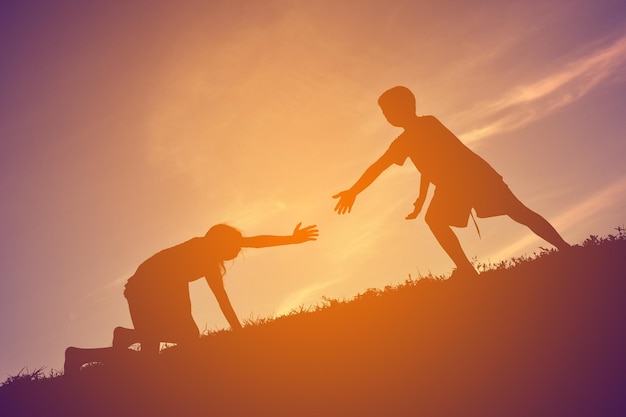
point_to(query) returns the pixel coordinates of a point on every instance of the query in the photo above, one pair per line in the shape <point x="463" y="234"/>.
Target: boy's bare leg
<point x="540" y="226"/>
<point x="451" y="245"/>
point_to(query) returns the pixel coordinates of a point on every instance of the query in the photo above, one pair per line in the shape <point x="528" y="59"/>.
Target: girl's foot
<point x="123" y="337"/>
<point x="73" y="363"/>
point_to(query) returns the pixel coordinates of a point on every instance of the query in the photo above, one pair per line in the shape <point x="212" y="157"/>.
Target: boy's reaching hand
<point x="346" y="201"/>
<point x="306" y="234"/>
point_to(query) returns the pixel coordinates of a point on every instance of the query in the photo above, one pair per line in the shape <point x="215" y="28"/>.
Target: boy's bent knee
<point x="434" y="221"/>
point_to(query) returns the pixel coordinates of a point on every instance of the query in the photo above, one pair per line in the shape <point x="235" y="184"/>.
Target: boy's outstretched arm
<point x="419" y="203"/>
<point x="347" y="197"/>
<point x="298" y="236"/>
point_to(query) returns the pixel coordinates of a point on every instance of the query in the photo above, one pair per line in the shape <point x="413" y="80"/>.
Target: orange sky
<point x="129" y="127"/>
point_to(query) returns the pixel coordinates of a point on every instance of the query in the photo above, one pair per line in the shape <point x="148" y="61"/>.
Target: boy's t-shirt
<point x="441" y="157"/>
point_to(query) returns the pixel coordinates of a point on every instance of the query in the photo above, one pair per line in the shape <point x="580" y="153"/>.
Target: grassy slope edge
<point x="542" y="337"/>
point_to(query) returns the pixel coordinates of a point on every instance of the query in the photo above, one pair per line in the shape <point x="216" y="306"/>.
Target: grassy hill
<point x="539" y="336"/>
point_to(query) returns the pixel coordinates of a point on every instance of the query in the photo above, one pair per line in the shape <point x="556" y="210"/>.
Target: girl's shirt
<point x="180" y="264"/>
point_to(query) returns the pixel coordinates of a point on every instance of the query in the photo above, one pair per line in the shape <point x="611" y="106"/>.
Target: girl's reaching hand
<point x="305" y="234"/>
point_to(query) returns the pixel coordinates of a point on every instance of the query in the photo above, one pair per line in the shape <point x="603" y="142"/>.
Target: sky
<point x="127" y="127"/>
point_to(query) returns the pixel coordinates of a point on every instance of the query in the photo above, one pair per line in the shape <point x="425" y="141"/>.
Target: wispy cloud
<point x="578" y="214"/>
<point x="592" y="206"/>
<point x="536" y="99"/>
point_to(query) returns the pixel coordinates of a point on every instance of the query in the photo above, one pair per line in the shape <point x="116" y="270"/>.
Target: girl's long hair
<point x="224" y="239"/>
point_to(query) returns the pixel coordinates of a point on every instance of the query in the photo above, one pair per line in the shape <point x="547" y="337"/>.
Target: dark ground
<point x="543" y="338"/>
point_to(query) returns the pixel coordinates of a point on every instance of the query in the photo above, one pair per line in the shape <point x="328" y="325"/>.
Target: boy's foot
<point x="463" y="274"/>
<point x="566" y="247"/>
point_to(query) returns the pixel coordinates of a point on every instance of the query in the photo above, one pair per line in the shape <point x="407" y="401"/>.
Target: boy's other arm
<point x="347" y="197"/>
<point x="298" y="236"/>
<point x="419" y="203"/>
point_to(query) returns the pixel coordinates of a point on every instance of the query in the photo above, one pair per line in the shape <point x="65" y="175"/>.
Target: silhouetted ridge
<point x="544" y="337"/>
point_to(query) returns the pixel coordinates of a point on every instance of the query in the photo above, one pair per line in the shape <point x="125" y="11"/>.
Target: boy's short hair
<point x="398" y="95"/>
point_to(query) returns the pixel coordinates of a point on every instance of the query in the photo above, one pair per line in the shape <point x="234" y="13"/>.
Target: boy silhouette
<point x="462" y="180"/>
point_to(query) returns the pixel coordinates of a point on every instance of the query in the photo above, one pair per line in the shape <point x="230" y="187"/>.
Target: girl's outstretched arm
<point x="298" y="236"/>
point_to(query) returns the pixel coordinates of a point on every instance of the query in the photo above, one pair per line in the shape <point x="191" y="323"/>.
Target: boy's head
<point x="398" y="105"/>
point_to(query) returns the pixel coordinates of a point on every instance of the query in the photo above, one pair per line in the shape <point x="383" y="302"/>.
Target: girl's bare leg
<point x="124" y="337"/>
<point x="75" y="358"/>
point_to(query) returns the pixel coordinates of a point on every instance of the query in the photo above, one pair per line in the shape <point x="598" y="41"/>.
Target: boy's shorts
<point x="453" y="206"/>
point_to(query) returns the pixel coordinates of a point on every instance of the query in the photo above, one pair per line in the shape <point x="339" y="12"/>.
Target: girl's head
<point x="398" y="105"/>
<point x="224" y="241"/>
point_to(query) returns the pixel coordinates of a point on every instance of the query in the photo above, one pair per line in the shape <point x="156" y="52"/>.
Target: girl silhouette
<point x="158" y="292"/>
